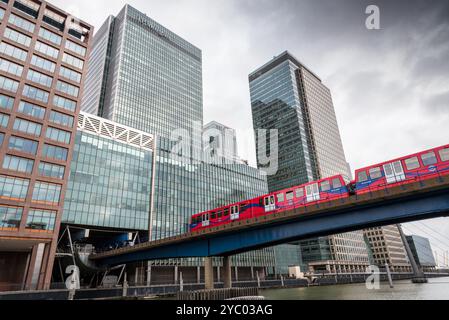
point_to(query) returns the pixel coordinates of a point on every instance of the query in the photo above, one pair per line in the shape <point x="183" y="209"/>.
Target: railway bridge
<point x="414" y="201"/>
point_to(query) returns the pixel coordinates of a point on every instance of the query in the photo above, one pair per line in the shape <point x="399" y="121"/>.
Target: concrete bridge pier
<point x="227" y="272"/>
<point x="209" y="273"/>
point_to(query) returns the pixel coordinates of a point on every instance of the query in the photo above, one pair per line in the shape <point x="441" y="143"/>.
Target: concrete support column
<point x="176" y="274"/>
<point x="236" y="274"/>
<point x="198" y="274"/>
<point x="218" y="274"/>
<point x="149" y="274"/>
<point x="227" y="272"/>
<point x="209" y="273"/>
<point x="252" y="273"/>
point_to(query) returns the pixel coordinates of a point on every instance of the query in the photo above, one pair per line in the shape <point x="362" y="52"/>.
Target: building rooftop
<point x="284" y="56"/>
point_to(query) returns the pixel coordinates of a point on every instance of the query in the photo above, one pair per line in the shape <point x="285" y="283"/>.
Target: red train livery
<point x="419" y="166"/>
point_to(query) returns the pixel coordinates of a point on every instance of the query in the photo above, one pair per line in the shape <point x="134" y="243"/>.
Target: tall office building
<point x="288" y="97"/>
<point x="220" y="141"/>
<point x="144" y="76"/>
<point x="147" y="78"/>
<point x="388" y="248"/>
<point x="43" y="52"/>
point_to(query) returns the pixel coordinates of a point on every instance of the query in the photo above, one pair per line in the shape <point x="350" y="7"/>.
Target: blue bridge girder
<point x="418" y="201"/>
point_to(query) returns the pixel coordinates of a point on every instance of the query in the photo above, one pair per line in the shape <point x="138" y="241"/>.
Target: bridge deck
<point x="380" y="198"/>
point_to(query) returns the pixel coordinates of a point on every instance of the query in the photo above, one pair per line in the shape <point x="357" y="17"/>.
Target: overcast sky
<point x="390" y="86"/>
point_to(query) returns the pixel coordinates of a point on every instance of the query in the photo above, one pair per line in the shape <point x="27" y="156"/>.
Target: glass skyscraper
<point x="144" y="76"/>
<point x="288" y="97"/>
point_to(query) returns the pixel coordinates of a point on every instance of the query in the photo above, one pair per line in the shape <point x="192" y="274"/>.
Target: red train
<point x="422" y="165"/>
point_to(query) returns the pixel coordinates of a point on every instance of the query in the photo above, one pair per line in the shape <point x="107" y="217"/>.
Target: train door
<point x="206" y="220"/>
<point x="235" y="214"/>
<point x="313" y="192"/>
<point x="394" y="172"/>
<point x="269" y="203"/>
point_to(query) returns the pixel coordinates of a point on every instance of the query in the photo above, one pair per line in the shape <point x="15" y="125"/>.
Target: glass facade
<point x="289" y="98"/>
<point x="422" y="251"/>
<point x="152" y="79"/>
<point x="109" y="184"/>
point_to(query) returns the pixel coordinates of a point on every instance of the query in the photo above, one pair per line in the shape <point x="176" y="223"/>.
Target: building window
<point x="8" y="84"/>
<point x="58" y="135"/>
<point x="67" y="88"/>
<point x="32" y="110"/>
<point x="10" y="218"/>
<point x="54" y="152"/>
<point x="18" y="164"/>
<point x="76" y="48"/>
<point x="47" y="50"/>
<point x="13" y="52"/>
<point x="2" y="138"/>
<point x="50" y="36"/>
<point x="43" y="63"/>
<point x="4" y="120"/>
<point x="70" y="74"/>
<point x="17" y="37"/>
<point x="51" y="170"/>
<point x="64" y="103"/>
<point x="6" y="102"/>
<point x="23" y="145"/>
<point x="46" y="193"/>
<point x="73" y="61"/>
<point x="11" y="67"/>
<point x="28" y="127"/>
<point x="35" y="94"/>
<point x="21" y="23"/>
<point x="61" y="119"/>
<point x="41" y="220"/>
<point x="2" y="13"/>
<point x="13" y="188"/>
<point x="39" y="78"/>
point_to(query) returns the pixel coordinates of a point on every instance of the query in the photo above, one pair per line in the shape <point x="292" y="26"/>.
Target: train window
<point x="299" y="193"/>
<point x="336" y="183"/>
<point x="272" y="200"/>
<point x="220" y="214"/>
<point x="281" y="197"/>
<point x="226" y="212"/>
<point x="214" y="215"/>
<point x="429" y="159"/>
<point x="444" y="154"/>
<point x="325" y="186"/>
<point x="375" y="173"/>
<point x="290" y="196"/>
<point x="262" y="201"/>
<point x="412" y="163"/>
<point x="362" y="177"/>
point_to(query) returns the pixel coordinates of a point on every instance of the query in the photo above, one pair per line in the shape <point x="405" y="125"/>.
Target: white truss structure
<point x="114" y="131"/>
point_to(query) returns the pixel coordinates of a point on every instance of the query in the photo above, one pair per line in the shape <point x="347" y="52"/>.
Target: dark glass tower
<point x="288" y="97"/>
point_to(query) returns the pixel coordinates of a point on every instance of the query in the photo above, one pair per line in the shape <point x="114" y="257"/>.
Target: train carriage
<point x="315" y="192"/>
<point x="420" y="166"/>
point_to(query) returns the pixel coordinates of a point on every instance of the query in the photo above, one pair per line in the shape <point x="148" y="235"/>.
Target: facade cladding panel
<point x="153" y="78"/>
<point x="43" y="54"/>
<point x="288" y="97"/>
